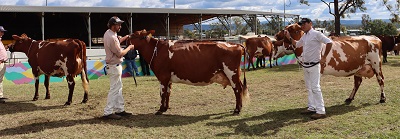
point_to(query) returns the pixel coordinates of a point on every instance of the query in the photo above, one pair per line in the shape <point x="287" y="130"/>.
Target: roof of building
<point x="12" y="8"/>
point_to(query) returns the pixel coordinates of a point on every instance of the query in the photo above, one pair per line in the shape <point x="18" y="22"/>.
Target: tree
<point x="217" y="30"/>
<point x="351" y="6"/>
<point x="365" y="20"/>
<point x="379" y="27"/>
<point x="393" y="9"/>
<point x="188" y="33"/>
<point x="240" y="28"/>
<point x="274" y="25"/>
<point x="317" y="23"/>
<point x="346" y="7"/>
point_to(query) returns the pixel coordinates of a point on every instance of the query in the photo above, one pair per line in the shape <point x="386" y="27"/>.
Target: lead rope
<point x="134" y="72"/>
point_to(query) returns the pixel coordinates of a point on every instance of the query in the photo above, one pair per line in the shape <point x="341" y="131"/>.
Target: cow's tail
<point x="84" y="58"/>
<point x="245" y="94"/>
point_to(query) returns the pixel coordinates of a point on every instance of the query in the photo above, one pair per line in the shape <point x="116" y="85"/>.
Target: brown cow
<point x="388" y="43"/>
<point x="197" y="63"/>
<point x="260" y="47"/>
<point x="59" y="58"/>
<point x="357" y="56"/>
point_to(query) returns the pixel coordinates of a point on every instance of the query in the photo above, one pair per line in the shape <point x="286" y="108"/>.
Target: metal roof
<point x="63" y="9"/>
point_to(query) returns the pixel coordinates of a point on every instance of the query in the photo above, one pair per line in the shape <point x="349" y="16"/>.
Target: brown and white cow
<point x="281" y="48"/>
<point x="197" y="63"/>
<point x="259" y="47"/>
<point x="357" y="56"/>
<point x="59" y="58"/>
<point x="388" y="43"/>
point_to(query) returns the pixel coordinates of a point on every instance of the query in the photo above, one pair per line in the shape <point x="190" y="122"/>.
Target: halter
<point x="154" y="52"/>
<point x="29" y="50"/>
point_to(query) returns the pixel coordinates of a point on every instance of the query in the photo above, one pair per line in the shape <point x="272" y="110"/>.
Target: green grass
<point x="277" y="97"/>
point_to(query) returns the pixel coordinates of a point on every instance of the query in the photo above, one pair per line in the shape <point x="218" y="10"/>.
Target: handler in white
<point x="114" y="58"/>
<point x="312" y="42"/>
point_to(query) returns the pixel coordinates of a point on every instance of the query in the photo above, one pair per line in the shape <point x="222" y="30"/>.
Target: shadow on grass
<point x="11" y="107"/>
<point x="140" y="120"/>
<point x="277" y="120"/>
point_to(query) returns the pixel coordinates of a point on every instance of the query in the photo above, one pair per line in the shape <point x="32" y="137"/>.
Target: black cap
<point x="2" y="29"/>
<point x="114" y="20"/>
<point x="304" y="20"/>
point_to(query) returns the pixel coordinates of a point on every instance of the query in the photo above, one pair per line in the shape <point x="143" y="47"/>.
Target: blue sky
<point x="316" y="10"/>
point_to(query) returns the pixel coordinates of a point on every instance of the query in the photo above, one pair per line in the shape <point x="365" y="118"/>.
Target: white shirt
<point x="312" y="43"/>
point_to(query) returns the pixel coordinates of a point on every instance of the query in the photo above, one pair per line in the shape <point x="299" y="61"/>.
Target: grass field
<point x="277" y="97"/>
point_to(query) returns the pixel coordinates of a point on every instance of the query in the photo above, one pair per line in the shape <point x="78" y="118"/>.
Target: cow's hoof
<point x="67" y="103"/>
<point x="47" y="97"/>
<point x="348" y="101"/>
<point x="158" y="113"/>
<point x="84" y="101"/>
<point x="34" y="99"/>
<point x="236" y="112"/>
<point x="382" y="101"/>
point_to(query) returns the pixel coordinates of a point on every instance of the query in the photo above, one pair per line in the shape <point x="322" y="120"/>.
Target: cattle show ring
<point x="203" y="86"/>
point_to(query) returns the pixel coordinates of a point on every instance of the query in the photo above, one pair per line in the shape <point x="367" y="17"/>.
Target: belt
<point x="114" y="64"/>
<point x="310" y="63"/>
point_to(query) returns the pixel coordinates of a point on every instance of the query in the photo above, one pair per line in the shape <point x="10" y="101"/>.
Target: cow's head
<point x="295" y="31"/>
<point x="280" y="35"/>
<point x="21" y="44"/>
<point x="140" y="37"/>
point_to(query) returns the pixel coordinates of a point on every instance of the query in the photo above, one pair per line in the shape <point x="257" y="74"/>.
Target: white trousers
<point x="115" y="101"/>
<point x="312" y="78"/>
<point x="2" y="72"/>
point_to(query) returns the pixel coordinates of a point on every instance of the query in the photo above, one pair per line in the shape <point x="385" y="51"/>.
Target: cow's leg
<point x="46" y="84"/>
<point x="276" y="61"/>
<point x="377" y="66"/>
<point x="250" y="63"/>
<point x="241" y="95"/>
<point x="270" y="58"/>
<point x="71" y="86"/>
<point x="384" y="54"/>
<point x="36" y="96"/>
<point x="263" y="62"/>
<point x="165" y="91"/>
<point x="85" y="85"/>
<point x="380" y="78"/>
<point x="357" y="83"/>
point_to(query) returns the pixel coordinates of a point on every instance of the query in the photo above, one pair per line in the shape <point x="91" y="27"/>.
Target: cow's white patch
<point x="70" y="83"/>
<point x="161" y="90"/>
<point x="172" y="42"/>
<point x="339" y="50"/>
<point x="40" y="45"/>
<point x="62" y="65"/>
<point x="226" y="44"/>
<point x="229" y="73"/>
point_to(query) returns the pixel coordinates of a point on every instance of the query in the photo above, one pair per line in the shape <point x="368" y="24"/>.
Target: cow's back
<point x="350" y="54"/>
<point x="60" y="58"/>
<point x="202" y="58"/>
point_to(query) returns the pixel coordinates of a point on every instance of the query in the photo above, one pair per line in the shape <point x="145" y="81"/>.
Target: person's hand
<point x="131" y="47"/>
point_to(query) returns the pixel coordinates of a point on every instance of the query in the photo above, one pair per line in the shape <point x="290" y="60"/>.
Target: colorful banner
<point x="21" y="73"/>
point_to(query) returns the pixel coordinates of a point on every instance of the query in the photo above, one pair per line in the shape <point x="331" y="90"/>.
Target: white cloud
<point x="316" y="10"/>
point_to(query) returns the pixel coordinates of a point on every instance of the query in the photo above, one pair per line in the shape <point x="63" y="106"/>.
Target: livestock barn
<point x="89" y="23"/>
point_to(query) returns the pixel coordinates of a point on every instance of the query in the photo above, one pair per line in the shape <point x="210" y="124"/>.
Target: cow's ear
<point x="16" y="37"/>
